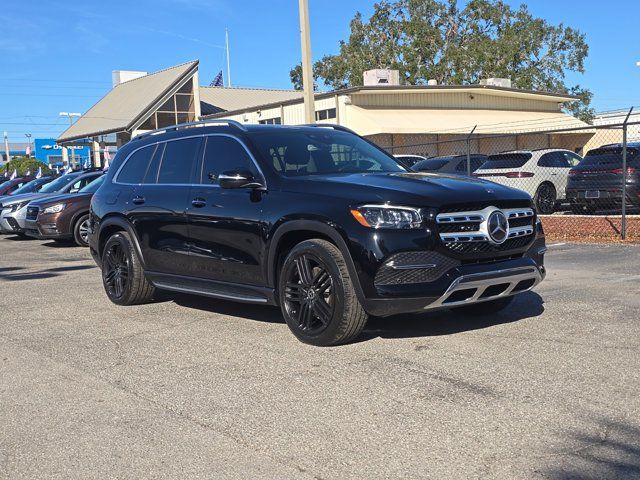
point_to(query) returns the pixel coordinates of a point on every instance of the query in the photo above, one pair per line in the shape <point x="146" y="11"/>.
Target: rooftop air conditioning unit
<point x="121" y="76"/>
<point x="381" y="76"/>
<point x="496" y="82"/>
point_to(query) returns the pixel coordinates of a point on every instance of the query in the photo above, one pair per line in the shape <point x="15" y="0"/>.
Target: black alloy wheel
<point x="545" y="198"/>
<point x="309" y="294"/>
<point x="116" y="270"/>
<point x="317" y="295"/>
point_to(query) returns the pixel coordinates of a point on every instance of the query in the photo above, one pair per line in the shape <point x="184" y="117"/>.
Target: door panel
<point x="225" y="226"/>
<point x="158" y="206"/>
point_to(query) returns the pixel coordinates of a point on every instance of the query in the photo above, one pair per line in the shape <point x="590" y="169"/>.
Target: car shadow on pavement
<point x="260" y="313"/>
<point x="448" y="322"/>
<point x="13" y="274"/>
<point x="445" y="322"/>
<point x="61" y="244"/>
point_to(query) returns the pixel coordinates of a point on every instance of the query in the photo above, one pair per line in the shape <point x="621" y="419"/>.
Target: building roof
<point x="226" y="98"/>
<point x="386" y="89"/>
<point x="127" y="102"/>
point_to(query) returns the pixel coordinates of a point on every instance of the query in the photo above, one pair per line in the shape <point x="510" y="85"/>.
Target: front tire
<point x="81" y="231"/>
<point x="122" y="274"/>
<point x="317" y="296"/>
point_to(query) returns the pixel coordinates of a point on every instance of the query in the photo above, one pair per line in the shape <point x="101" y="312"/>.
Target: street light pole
<point x="28" y="135"/>
<point x="6" y="146"/>
<point x="307" y="72"/>
<point x="71" y="115"/>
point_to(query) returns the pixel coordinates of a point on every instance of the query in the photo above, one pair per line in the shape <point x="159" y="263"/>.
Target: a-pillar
<point x="97" y="162"/>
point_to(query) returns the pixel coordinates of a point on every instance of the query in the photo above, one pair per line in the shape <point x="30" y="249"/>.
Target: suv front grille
<point x="32" y="213"/>
<point x="466" y="232"/>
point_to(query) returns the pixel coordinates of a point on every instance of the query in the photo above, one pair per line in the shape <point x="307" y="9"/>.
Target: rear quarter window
<point x="136" y="165"/>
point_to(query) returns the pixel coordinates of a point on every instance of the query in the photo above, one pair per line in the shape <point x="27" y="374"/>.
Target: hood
<point x="64" y="197"/>
<point x="413" y="189"/>
<point x="25" y="197"/>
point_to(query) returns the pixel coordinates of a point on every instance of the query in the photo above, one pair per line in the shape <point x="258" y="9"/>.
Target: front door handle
<point x="138" y="200"/>
<point x="198" y="202"/>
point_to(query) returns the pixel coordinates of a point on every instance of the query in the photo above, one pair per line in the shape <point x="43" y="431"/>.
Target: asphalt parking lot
<point x="195" y="388"/>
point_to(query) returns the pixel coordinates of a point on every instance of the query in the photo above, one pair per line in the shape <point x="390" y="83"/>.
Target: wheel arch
<point x="293" y="232"/>
<point x="116" y="223"/>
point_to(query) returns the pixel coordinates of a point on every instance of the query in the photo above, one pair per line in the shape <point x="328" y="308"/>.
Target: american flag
<point x="217" y="81"/>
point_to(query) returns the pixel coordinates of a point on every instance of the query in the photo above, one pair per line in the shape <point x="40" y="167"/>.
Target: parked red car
<point x="9" y="186"/>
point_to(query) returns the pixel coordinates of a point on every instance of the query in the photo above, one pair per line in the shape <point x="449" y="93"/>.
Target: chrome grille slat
<point x="473" y="229"/>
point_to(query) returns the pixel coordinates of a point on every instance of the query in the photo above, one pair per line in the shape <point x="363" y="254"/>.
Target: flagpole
<point x="226" y="36"/>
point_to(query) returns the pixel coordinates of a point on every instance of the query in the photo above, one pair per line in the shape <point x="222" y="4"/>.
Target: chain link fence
<point x="585" y="182"/>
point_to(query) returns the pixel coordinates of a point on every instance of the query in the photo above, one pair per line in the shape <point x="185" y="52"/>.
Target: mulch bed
<point x="590" y="228"/>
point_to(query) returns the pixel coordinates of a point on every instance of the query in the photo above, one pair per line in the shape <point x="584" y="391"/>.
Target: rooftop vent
<point x="381" y="77"/>
<point x="496" y="82"/>
<point x="432" y="82"/>
<point x="121" y="76"/>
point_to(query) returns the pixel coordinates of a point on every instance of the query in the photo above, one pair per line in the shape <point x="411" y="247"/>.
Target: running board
<point x="211" y="288"/>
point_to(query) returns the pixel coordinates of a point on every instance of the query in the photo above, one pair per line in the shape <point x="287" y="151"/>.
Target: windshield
<point x="32" y="186"/>
<point x="506" y="160"/>
<point x="305" y="152"/>
<point x="58" y="183"/>
<point x="93" y="186"/>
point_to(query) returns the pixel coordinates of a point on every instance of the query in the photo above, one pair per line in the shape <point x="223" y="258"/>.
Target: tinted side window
<point x="83" y="182"/>
<point x="135" y="167"/>
<point x="553" y="159"/>
<point x="178" y="161"/>
<point x="223" y="154"/>
<point x="152" y="172"/>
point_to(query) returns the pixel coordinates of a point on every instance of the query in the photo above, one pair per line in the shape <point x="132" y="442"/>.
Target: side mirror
<point x="238" y="179"/>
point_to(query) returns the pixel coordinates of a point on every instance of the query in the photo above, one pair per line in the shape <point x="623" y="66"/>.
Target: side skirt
<point x="210" y="288"/>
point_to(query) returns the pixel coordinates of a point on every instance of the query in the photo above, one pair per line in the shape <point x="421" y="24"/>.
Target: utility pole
<point x="6" y="146"/>
<point x="307" y="72"/>
<point x="71" y="116"/>
<point x="226" y="38"/>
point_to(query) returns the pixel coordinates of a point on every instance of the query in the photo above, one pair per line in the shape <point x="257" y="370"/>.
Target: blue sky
<point x="58" y="55"/>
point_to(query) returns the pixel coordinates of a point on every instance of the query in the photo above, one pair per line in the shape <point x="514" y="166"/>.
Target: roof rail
<point x="201" y="123"/>
<point x="329" y="125"/>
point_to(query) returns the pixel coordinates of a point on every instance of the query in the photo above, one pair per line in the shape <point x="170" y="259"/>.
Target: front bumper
<point x="465" y="284"/>
<point x="44" y="231"/>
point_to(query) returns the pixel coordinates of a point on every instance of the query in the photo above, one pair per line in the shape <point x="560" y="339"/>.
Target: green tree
<point x="436" y="39"/>
<point x="25" y="164"/>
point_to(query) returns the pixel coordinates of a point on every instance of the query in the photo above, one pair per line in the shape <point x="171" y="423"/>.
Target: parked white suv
<point x="542" y="173"/>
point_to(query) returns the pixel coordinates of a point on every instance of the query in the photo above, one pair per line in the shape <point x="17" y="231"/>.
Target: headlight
<point x="58" y="207"/>
<point x="385" y="216"/>
<point x="17" y="206"/>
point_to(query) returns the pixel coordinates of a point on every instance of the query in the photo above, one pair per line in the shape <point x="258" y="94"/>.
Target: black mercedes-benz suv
<point x="314" y="219"/>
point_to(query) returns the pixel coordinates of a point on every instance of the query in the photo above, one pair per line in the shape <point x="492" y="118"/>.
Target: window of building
<point x="326" y="114"/>
<point x="271" y="121"/>
<point x="177" y="109"/>
<point x="223" y="154"/>
<point x="178" y="161"/>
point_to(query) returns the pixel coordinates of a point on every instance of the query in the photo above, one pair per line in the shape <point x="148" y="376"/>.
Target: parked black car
<point x="450" y="164"/>
<point x="312" y="218"/>
<point x="596" y="183"/>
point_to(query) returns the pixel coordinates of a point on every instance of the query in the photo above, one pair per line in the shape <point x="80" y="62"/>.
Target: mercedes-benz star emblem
<point x="498" y="227"/>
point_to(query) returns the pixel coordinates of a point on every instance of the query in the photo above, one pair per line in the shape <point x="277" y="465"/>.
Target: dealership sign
<point x="48" y="151"/>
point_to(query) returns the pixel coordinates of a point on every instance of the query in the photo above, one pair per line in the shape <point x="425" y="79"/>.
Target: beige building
<point x="443" y="116"/>
<point x="391" y="115"/>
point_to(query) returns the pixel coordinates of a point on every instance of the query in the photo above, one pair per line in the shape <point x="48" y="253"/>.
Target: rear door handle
<point x="198" y="202"/>
<point x="138" y="200"/>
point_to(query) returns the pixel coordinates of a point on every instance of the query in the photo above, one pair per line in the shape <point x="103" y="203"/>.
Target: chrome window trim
<point x="201" y="160"/>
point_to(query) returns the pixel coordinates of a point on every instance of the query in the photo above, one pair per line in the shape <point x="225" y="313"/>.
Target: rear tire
<point x="122" y="274"/>
<point x="485" y="308"/>
<point x="81" y="231"/>
<point x="545" y="198"/>
<point x="317" y="296"/>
